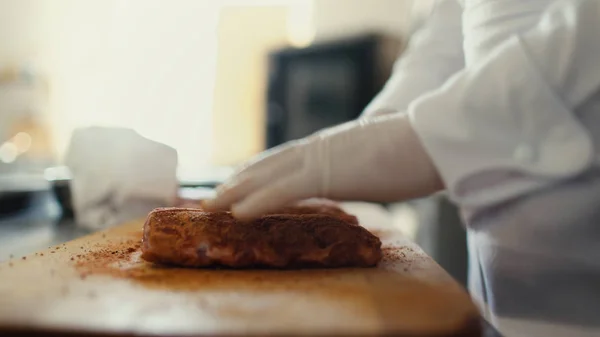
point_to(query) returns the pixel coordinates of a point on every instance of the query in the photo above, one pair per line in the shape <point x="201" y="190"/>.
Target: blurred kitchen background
<point x="218" y="81"/>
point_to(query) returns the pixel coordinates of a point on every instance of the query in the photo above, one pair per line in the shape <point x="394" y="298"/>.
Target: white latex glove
<point x="118" y="175"/>
<point x="371" y="159"/>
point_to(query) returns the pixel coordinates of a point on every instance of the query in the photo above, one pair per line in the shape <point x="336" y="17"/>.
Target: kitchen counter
<point x="41" y="226"/>
<point x="36" y="227"/>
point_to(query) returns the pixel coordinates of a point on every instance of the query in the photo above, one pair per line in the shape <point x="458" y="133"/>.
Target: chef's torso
<point x="486" y="23"/>
<point x="535" y="261"/>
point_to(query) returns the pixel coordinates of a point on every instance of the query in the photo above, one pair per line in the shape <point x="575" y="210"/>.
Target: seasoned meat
<point x="194" y="238"/>
<point x="318" y="206"/>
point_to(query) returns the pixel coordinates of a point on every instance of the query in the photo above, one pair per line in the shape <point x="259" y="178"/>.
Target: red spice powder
<point x="121" y="259"/>
<point x="105" y="260"/>
<point x="397" y="254"/>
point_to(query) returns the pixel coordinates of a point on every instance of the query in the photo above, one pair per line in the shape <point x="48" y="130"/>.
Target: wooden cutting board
<point x="99" y="285"/>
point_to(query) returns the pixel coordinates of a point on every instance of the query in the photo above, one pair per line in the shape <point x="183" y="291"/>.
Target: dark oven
<point x="322" y="85"/>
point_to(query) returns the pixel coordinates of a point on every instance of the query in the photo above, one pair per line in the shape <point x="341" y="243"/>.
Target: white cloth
<point x="515" y="136"/>
<point x="118" y="175"/>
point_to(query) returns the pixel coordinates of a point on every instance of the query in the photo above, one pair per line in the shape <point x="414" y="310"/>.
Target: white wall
<point x="22" y="106"/>
<point x="18" y="32"/>
<point x="147" y="64"/>
<point x="241" y="81"/>
<point x="335" y="18"/>
<point x="100" y="66"/>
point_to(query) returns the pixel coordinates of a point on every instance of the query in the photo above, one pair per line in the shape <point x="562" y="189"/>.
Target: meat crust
<point x="297" y="239"/>
<point x="318" y="206"/>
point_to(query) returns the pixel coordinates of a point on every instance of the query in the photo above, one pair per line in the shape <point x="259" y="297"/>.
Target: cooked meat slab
<point x="194" y="238"/>
<point x="318" y="206"/>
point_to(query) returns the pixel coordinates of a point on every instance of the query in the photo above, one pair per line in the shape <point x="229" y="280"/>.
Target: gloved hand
<point x="372" y="159"/>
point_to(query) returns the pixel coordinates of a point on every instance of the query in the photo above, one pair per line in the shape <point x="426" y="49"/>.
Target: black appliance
<point x="321" y="85"/>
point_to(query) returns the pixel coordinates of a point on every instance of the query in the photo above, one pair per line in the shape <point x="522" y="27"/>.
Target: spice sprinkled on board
<point x="121" y="259"/>
<point x="397" y="254"/>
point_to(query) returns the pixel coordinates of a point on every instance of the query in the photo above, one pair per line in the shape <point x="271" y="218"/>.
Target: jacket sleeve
<point x="433" y="54"/>
<point x="507" y="125"/>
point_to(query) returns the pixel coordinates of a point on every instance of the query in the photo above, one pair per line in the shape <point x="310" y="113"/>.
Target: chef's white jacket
<point x="505" y="97"/>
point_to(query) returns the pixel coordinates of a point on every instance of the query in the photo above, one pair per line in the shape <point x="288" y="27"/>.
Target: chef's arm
<point x="433" y="54"/>
<point x="493" y="131"/>
<point x="506" y="126"/>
